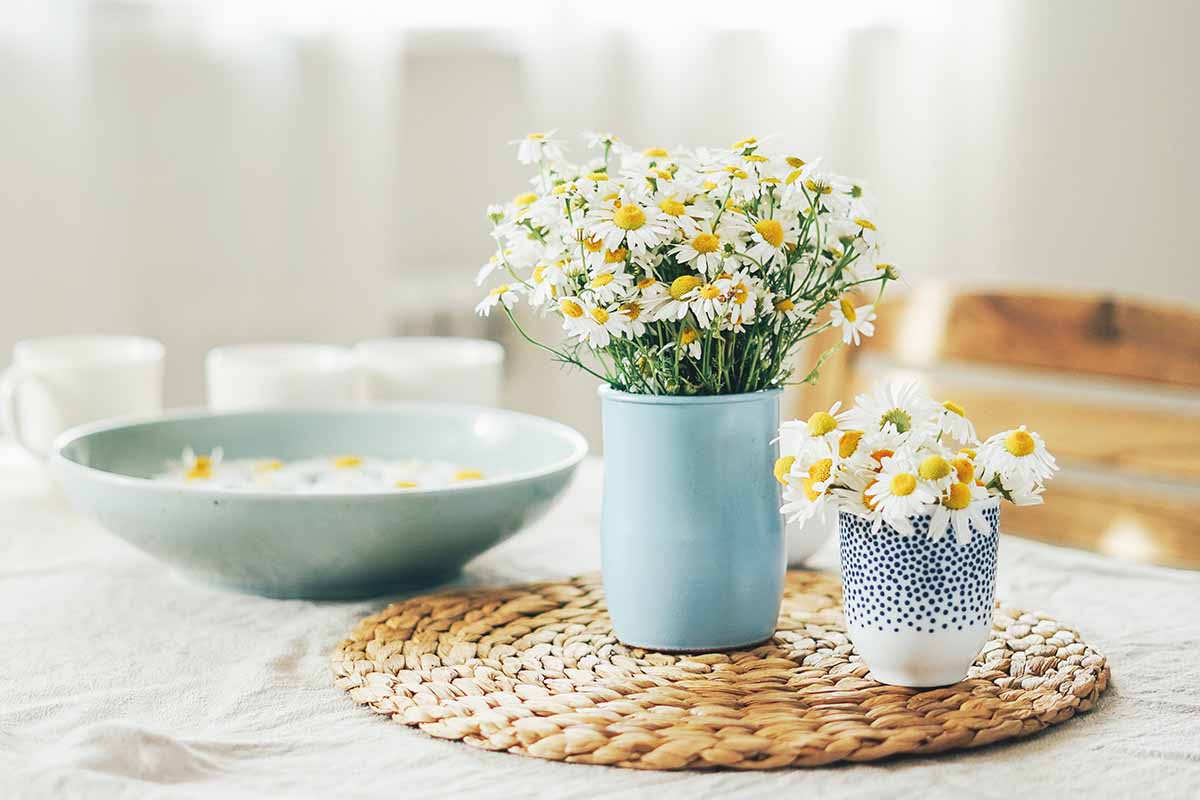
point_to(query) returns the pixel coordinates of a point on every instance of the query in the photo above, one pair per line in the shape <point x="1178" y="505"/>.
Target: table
<point x="119" y="679"/>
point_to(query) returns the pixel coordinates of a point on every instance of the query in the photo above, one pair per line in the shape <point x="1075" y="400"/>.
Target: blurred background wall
<point x="221" y="171"/>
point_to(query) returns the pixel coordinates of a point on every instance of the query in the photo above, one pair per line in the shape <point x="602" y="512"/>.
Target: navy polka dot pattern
<point x="895" y="583"/>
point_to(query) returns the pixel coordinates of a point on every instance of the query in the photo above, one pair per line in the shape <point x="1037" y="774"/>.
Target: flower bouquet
<point x="918" y="501"/>
<point x="684" y="280"/>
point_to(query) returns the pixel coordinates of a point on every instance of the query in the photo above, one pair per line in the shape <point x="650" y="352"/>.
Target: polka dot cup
<point x="918" y="611"/>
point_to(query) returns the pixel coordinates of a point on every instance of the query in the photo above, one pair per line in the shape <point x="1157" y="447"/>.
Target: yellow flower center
<point x="615" y="256"/>
<point x="740" y="294"/>
<point x="792" y="161"/>
<point x="964" y="469"/>
<point x="499" y="290"/>
<point x="688" y="336"/>
<point x="903" y="484"/>
<point x="821" y="423"/>
<point x="539" y="273"/>
<point x="536" y="136"/>
<point x="934" y="468"/>
<point x="706" y="243"/>
<point x="737" y="172"/>
<point x="784" y="305"/>
<point x="593" y="244"/>
<point x="603" y="279"/>
<point x="524" y="199"/>
<point x="848" y="310"/>
<point x="809" y="492"/>
<point x="683" y="284"/>
<point x="968" y="452"/>
<point x="270" y="466"/>
<point x="954" y="408"/>
<point x="672" y="207"/>
<point x="880" y="455"/>
<point x="597" y="176"/>
<point x="655" y="152"/>
<point x="771" y="231"/>
<point x="662" y="174"/>
<point x="783" y="465"/>
<point x="347" y="462"/>
<point x="1019" y="443"/>
<point x="629" y="217"/>
<point x="571" y="308"/>
<point x="405" y="485"/>
<point x="959" y="497"/>
<point x="708" y="186"/>
<point x="818" y="187"/>
<point x="755" y="158"/>
<point x="201" y="469"/>
<point x="821" y="470"/>
<point x="646" y="283"/>
<point x="749" y="140"/>
<point x="599" y="314"/>
<point x="561" y="188"/>
<point x="631" y="310"/>
<point x="709" y="292"/>
<point x="793" y="176"/>
<point x="865" y="223"/>
<point x="849" y="443"/>
<point x="468" y="475"/>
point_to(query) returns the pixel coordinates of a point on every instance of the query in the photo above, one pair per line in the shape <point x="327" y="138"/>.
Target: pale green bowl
<point x="320" y="545"/>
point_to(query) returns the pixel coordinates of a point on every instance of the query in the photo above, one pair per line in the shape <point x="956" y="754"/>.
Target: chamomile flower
<point x="634" y="312"/>
<point x="681" y="209"/>
<point x="899" y="494"/>
<point x="704" y="251"/>
<point x="767" y="240"/>
<point x="894" y="407"/>
<point x="538" y="146"/>
<point x="507" y="293"/>
<point x="625" y="222"/>
<point x="960" y="510"/>
<point x="200" y="467"/>
<point x="953" y="420"/>
<point x="1019" y="456"/>
<point x="678" y="300"/>
<point x="609" y="283"/>
<point x="707" y="303"/>
<point x="854" y="322"/>
<point x="689" y="342"/>
<point x="742" y="291"/>
<point x="599" y="325"/>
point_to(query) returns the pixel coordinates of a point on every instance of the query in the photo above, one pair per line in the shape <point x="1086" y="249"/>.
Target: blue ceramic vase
<point x="693" y="543"/>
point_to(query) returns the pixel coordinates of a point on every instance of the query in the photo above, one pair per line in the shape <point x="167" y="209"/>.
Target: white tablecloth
<point x="118" y="679"/>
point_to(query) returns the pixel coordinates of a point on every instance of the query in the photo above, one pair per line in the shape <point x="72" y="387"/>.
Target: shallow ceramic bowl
<point x="320" y="545"/>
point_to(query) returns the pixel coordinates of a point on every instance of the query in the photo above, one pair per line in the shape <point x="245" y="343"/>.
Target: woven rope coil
<point x="536" y="670"/>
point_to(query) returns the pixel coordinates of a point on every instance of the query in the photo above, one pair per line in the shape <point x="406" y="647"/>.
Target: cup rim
<point x="28" y="353"/>
<point x="303" y="357"/>
<point x="606" y="392"/>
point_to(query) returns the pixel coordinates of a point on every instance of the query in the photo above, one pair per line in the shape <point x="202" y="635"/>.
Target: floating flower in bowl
<point x="918" y="504"/>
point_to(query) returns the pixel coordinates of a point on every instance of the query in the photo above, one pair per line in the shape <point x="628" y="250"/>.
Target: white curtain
<point x="210" y="172"/>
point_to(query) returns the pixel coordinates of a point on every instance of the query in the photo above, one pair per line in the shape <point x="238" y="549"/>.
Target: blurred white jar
<point x="58" y="382"/>
<point x="281" y="375"/>
<point x="432" y="369"/>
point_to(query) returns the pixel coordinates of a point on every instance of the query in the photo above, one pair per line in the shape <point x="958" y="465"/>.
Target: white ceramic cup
<point x="280" y="375"/>
<point x="432" y="369"/>
<point x="58" y="382"/>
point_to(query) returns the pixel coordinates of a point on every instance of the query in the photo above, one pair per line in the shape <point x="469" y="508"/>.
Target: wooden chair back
<point x="1113" y="385"/>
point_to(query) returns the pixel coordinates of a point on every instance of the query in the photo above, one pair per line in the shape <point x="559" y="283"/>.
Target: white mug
<point x="280" y="375"/>
<point x="58" y="382"/>
<point x="432" y="369"/>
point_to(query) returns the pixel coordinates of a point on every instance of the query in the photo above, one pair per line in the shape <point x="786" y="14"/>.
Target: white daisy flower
<point x="674" y="202"/>
<point x="704" y="251"/>
<point x="708" y="303"/>
<point x="1018" y="455"/>
<point x="678" y="300"/>
<point x="610" y="283"/>
<point x="853" y="321"/>
<point x="953" y="420"/>
<point x="599" y="326"/>
<point x="507" y="293"/>
<point x="547" y="280"/>
<point x="960" y="510"/>
<point x="634" y="312"/>
<point x="768" y="239"/>
<point x="627" y="222"/>
<point x="742" y="292"/>
<point x="894" y="407"/>
<point x="537" y="146"/>
<point x="898" y="494"/>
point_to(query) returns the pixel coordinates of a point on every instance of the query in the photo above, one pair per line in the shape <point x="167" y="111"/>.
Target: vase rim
<point x="991" y="502"/>
<point x="607" y="392"/>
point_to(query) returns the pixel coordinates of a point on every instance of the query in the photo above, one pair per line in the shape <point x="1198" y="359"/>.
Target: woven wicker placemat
<point x="535" y="669"/>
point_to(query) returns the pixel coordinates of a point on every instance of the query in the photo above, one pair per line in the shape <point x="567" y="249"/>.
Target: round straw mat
<point x="536" y="670"/>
